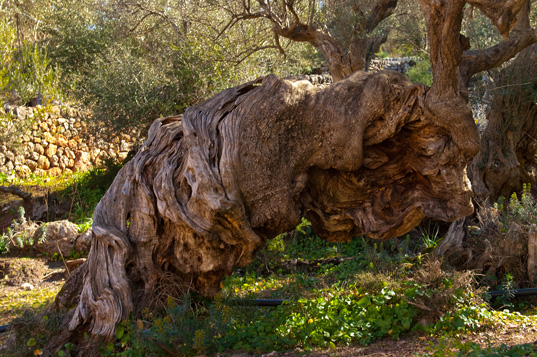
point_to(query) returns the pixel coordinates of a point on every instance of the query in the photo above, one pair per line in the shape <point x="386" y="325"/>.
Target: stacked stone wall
<point x="400" y="64"/>
<point x="55" y="139"/>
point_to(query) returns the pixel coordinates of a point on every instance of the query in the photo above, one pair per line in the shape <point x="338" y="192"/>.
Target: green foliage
<point x="429" y="236"/>
<point x="480" y="30"/>
<point x="507" y="285"/>
<point x="185" y="330"/>
<point x="421" y="73"/>
<point x="523" y="210"/>
<point x="345" y="318"/>
<point x="87" y="191"/>
<point x="508" y="226"/>
<point x="24" y="67"/>
<point x="367" y="291"/>
<point x="456" y="347"/>
<point x="20" y="234"/>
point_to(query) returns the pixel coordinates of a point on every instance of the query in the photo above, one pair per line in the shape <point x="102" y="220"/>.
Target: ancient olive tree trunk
<point x="509" y="142"/>
<point x="366" y="155"/>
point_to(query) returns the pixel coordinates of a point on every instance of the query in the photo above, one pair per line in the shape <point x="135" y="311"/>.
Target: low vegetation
<point x="334" y="295"/>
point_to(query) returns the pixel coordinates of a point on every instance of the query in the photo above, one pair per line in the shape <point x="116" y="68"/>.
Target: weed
<point x="21" y="233"/>
<point x="506" y="226"/>
<point x="429" y="236"/>
<point x="199" y="331"/>
<point x="507" y="285"/>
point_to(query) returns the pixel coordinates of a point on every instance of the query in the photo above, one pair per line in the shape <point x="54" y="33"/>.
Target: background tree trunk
<point x="509" y="141"/>
<point x="363" y="156"/>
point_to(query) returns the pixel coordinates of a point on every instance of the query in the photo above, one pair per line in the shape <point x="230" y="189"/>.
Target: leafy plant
<point x="21" y="233"/>
<point x="25" y="68"/>
<point x="421" y="73"/>
<point x="507" y="226"/>
<point x="507" y="285"/>
<point x="429" y="236"/>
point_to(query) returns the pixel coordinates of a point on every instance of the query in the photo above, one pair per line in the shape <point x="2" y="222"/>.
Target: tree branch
<point x="502" y="13"/>
<point x="382" y="10"/>
<point x="444" y="22"/>
<point x="14" y="190"/>
<point x="476" y="61"/>
<point x="158" y="14"/>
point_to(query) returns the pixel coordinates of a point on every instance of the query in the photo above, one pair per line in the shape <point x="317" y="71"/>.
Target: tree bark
<point x="363" y="156"/>
<point x="509" y="142"/>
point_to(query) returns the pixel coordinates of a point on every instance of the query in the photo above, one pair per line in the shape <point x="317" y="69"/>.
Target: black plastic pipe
<point x="4" y="328"/>
<point x="258" y="302"/>
<point x="278" y="302"/>
<point x="515" y="292"/>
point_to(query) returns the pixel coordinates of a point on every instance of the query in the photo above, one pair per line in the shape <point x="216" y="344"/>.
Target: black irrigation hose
<point x="258" y="302"/>
<point x="278" y="302"/>
<point x="4" y="328"/>
<point x="515" y="292"/>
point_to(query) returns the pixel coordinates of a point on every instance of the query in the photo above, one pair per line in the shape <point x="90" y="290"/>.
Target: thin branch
<point x="237" y="18"/>
<point x="14" y="190"/>
<point x="311" y="11"/>
<point x="161" y="15"/>
<point x="248" y="53"/>
<point x="277" y="40"/>
<point x="139" y="23"/>
<point x="511" y="85"/>
<point x="503" y="14"/>
<point x="293" y="12"/>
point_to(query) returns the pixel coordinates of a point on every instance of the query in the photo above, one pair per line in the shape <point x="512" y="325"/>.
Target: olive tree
<point x="372" y="154"/>
<point x="347" y="33"/>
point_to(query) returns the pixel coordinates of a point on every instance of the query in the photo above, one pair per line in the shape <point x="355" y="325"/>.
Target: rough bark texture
<point x="509" y="141"/>
<point x="453" y="240"/>
<point x="363" y="156"/>
<point x="532" y="256"/>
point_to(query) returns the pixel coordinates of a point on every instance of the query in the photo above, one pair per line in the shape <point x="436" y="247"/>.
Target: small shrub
<point x="506" y="226"/>
<point x="187" y="329"/>
<point x="20" y="234"/>
<point x="421" y="73"/>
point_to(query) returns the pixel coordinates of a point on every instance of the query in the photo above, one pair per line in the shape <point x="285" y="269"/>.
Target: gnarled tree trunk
<point x="509" y="142"/>
<point x="371" y="154"/>
<point x="366" y="155"/>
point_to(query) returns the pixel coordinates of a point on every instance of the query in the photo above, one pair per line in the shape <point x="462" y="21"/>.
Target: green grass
<point x="14" y="302"/>
<point x="82" y="191"/>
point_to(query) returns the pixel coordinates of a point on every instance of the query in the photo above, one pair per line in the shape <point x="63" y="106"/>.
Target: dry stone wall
<point x="399" y="64"/>
<point x="53" y="140"/>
